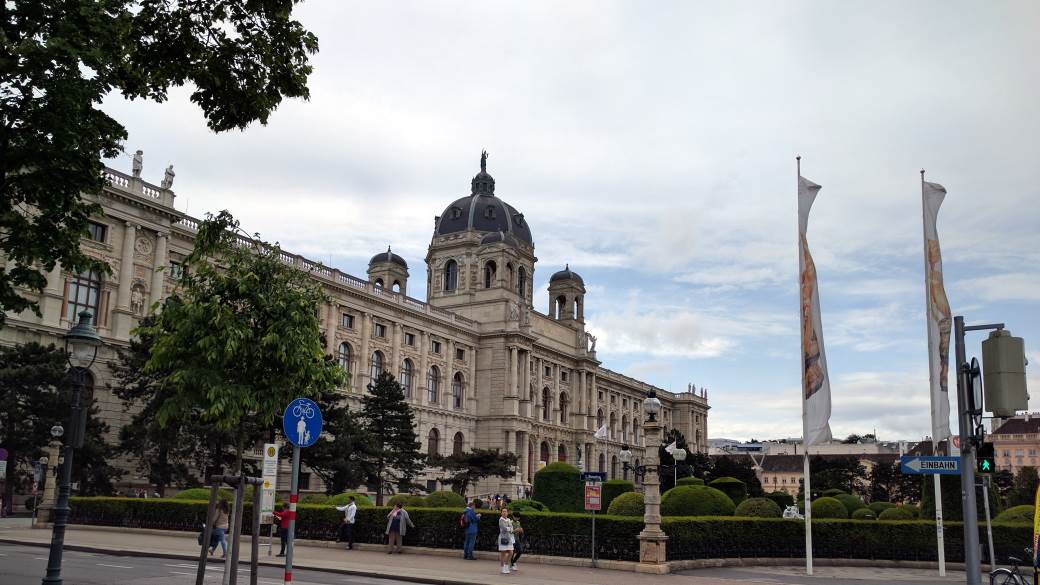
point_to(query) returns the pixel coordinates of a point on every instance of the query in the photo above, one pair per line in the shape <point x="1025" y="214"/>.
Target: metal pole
<point x="236" y="528"/>
<point x="293" y="496"/>
<point x="594" y="538"/>
<point x="989" y="521"/>
<point x="808" y="516"/>
<point x="972" y="564"/>
<point x="207" y="533"/>
<point x="254" y="553"/>
<point x="61" y="509"/>
<point x="940" y="539"/>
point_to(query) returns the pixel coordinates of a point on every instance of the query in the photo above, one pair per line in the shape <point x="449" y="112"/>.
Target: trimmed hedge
<point x="1016" y="514"/>
<point x="864" y="514"/>
<point x="878" y="507"/>
<point x="827" y="507"/>
<point x="407" y="500"/>
<point x="915" y="510"/>
<point x="559" y="486"/>
<point x="445" y="499"/>
<point x="614" y="488"/>
<point x="696" y="500"/>
<point x="569" y="534"/>
<point x="758" y="508"/>
<point x="782" y="499"/>
<point x="851" y="502"/>
<point x="528" y="506"/>
<point x="362" y="500"/>
<point x="732" y="487"/>
<point x="627" y="504"/>
<point x="833" y="492"/>
<point x="896" y="513"/>
<point x="689" y="481"/>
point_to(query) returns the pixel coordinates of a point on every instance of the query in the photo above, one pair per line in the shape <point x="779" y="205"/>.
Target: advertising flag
<point x="938" y="313"/>
<point x="601" y="433"/>
<point x="816" y="389"/>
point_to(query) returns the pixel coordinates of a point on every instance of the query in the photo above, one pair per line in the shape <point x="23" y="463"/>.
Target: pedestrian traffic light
<point x="985" y="460"/>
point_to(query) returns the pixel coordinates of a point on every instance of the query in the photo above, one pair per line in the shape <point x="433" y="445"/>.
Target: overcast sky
<point x="652" y="146"/>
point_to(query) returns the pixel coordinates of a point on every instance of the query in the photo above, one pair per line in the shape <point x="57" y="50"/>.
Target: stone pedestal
<point x="47" y="500"/>
<point x="653" y="551"/>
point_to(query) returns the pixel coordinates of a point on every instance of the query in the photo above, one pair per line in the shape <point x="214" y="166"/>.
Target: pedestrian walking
<point x="519" y="541"/>
<point x="397" y="524"/>
<point x="347" y="532"/>
<point x="505" y="540"/>
<point x="220" y="527"/>
<point x="281" y="516"/>
<point x="471" y="520"/>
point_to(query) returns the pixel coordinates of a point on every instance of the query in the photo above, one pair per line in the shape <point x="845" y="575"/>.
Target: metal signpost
<point x="593" y="501"/>
<point x="269" y="486"/>
<point x="302" y="424"/>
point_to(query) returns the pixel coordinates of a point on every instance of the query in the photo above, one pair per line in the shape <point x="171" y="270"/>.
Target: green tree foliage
<point x="897" y="513"/>
<point x="863" y="514"/>
<point x="696" y="500"/>
<point x="445" y="500"/>
<point x="627" y="504"/>
<point x="613" y="488"/>
<point x="851" y="502"/>
<point x="1002" y="481"/>
<point x="951" y="499"/>
<point x="844" y="473"/>
<point x="341" y="456"/>
<point x="732" y="487"/>
<point x="878" y="507"/>
<point x="559" y="486"/>
<point x="827" y="507"/>
<point x="739" y="468"/>
<point x="758" y="508"/>
<point x="1023" y="513"/>
<point x="468" y="468"/>
<point x="395" y="458"/>
<point x="884" y="482"/>
<point x="1023" y="491"/>
<point x="689" y="481"/>
<point x="782" y="499"/>
<point x="240" y="338"/>
<point x="62" y="58"/>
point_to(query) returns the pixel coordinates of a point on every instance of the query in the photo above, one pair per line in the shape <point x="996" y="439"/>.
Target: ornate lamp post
<point x="652" y="540"/>
<point x="679" y="455"/>
<point x="81" y="348"/>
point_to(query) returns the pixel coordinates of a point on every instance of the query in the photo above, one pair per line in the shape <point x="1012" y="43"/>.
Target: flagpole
<point x="805" y="428"/>
<point x="940" y="541"/>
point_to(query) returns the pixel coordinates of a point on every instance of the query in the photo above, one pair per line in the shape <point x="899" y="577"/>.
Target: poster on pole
<point x="270" y="485"/>
<point x="593" y="496"/>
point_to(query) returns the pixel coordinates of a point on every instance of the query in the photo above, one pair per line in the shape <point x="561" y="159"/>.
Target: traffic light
<point x="985" y="459"/>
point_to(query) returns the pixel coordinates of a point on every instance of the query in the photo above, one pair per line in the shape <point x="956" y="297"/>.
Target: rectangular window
<point x="548" y="371"/>
<point x="176" y="270"/>
<point x="84" y="294"/>
<point x="97" y="231"/>
<point x="347" y="320"/>
<point x="600" y="396"/>
<point x="380" y="330"/>
<point x="460" y="354"/>
<point x="563" y="376"/>
<point x="409" y="339"/>
<point x="435" y="346"/>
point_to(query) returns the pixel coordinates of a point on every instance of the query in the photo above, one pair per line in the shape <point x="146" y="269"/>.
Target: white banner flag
<point x="601" y="433"/>
<point x="816" y="388"/>
<point x="938" y="315"/>
<point x="671" y="447"/>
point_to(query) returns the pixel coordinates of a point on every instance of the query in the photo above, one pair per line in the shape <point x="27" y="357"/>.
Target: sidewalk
<point x="439" y="567"/>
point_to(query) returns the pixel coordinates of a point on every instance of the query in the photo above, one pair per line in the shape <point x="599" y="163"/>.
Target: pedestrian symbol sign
<point x="985" y="460"/>
<point x="302" y="422"/>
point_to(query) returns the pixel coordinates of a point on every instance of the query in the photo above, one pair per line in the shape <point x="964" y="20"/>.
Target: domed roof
<point x="483" y="212"/>
<point x="567" y="274"/>
<point x="388" y="256"/>
<point x="499" y="236"/>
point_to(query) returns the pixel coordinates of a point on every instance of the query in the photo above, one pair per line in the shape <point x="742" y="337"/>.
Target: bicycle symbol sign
<point x="302" y="422"/>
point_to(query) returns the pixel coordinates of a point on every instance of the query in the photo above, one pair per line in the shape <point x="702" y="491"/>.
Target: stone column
<point x="53" y="294"/>
<point x="395" y="361"/>
<point x="652" y="540"/>
<point x="583" y="408"/>
<point x="511" y="388"/>
<point x="364" y="359"/>
<point x="471" y="394"/>
<point x="126" y="267"/>
<point x="331" y="323"/>
<point x="158" y="276"/>
<point x="521" y="456"/>
<point x="422" y="375"/>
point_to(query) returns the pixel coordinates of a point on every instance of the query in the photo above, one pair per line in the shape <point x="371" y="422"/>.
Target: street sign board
<point x="599" y="476"/>
<point x="917" y="465"/>
<point x="302" y="422"/>
<point x="593" y="496"/>
<point x="270" y="477"/>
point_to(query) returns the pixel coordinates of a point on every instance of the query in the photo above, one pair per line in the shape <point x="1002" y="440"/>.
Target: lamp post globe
<point x="652" y="405"/>
<point x="82" y="342"/>
<point x="57" y="431"/>
<point x="625" y="455"/>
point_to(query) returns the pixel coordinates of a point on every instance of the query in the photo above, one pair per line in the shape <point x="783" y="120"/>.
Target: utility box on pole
<point x="1004" y="374"/>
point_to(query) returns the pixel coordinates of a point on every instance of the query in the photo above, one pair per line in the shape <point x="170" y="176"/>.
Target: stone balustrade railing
<point x="138" y="186"/>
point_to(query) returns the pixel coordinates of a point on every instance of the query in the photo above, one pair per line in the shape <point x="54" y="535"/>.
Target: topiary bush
<point x="689" y="481"/>
<point x="407" y="500"/>
<point x="1016" y="514"/>
<point x="782" y="499"/>
<point x="559" y="486"/>
<point x="614" y="488"/>
<point x="878" y="507"/>
<point x="201" y="494"/>
<point x="527" y="506"/>
<point x="826" y="507"/>
<point x="832" y="492"/>
<point x="314" y="499"/>
<point x="732" y="487"/>
<point x="696" y="500"/>
<point x="864" y="514"/>
<point x="913" y="509"/>
<point x="897" y="513"/>
<point x="758" y="508"/>
<point x="627" y="504"/>
<point x="445" y="499"/>
<point x="851" y="502"/>
<point x="360" y="499"/>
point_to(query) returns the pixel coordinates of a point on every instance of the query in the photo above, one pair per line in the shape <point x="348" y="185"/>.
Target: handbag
<point x="504" y="541"/>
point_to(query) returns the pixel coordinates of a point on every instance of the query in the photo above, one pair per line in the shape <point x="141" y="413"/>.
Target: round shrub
<point x="627" y="504"/>
<point x="863" y="514"/>
<point x="527" y="506"/>
<point x="912" y="508"/>
<point x="203" y="494"/>
<point x="878" y="507"/>
<point x="826" y="507"/>
<point x="832" y="492"/>
<point x="559" y="486"/>
<point x="360" y="499"/>
<point x="851" y="502"/>
<point x="897" y="513"/>
<point x="445" y="499"/>
<point x="732" y="487"/>
<point x="689" y="481"/>
<point x="614" y="488"/>
<point x="314" y="499"/>
<point x="406" y="500"/>
<point x="1016" y="514"/>
<point x="758" y="508"/>
<point x="782" y="499"/>
<point x="696" y="500"/>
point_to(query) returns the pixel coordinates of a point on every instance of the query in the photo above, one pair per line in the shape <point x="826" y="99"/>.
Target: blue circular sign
<point x="302" y="422"/>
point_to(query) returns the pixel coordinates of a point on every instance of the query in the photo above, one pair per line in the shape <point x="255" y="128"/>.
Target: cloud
<point x="1016" y="286"/>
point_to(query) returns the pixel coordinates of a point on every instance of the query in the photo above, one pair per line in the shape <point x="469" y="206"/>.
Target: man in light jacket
<point x="348" y="521"/>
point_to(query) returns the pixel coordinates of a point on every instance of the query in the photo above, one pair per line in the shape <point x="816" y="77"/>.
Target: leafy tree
<point x="884" y="482"/>
<point x="395" y="458"/>
<point x="1023" y="491"/>
<point x="844" y="473"/>
<point x="239" y="340"/>
<point x="62" y="58"/>
<point x="469" y="468"/>
<point x="91" y="466"/>
<point x="1002" y="481"/>
<point x="342" y="455"/>
<point x="852" y="439"/>
<point x="740" y="468"/>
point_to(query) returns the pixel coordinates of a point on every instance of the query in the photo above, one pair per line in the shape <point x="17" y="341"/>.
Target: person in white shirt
<point x="348" y="522"/>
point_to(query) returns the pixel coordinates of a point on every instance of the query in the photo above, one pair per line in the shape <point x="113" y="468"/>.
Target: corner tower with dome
<point x="482" y="362"/>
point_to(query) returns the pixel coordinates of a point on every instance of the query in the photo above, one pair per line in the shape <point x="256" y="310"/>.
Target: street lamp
<point x="679" y="455"/>
<point x="39" y="487"/>
<point x="81" y="349"/>
<point x="652" y="540"/>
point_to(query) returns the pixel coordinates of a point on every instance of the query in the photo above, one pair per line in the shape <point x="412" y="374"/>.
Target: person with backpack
<point x="470" y="522"/>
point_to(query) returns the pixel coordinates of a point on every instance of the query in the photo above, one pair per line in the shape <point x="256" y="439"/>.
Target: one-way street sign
<point x="930" y="465"/>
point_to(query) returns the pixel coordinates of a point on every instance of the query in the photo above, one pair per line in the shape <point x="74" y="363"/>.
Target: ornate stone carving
<point x="167" y="181"/>
<point x="138" y="164"/>
<point x="143" y="246"/>
<point x="137" y="299"/>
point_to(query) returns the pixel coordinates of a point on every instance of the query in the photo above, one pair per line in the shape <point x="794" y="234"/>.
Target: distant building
<point x="794" y="447"/>
<point x="783" y="473"/>
<point x="1016" y="442"/>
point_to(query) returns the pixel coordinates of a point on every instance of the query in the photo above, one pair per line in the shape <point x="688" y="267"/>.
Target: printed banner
<point x="816" y="388"/>
<point x="939" y="317"/>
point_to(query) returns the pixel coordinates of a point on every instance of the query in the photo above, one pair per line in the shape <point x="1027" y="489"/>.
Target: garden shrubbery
<point x="689" y="481"/>
<point x="559" y="486"/>
<point x="614" y="488"/>
<point x="1016" y="514"/>
<point x="758" y="508"/>
<point x="627" y="504"/>
<point x="360" y="499"/>
<point x="528" y="506"/>
<point x="696" y="500"/>
<point x="406" y="500"/>
<point x="445" y="499"/>
<point x="864" y="514"/>
<point x="827" y="507"/>
<point x="878" y="507"/>
<point x="851" y="502"/>
<point x="897" y="513"/>
<point x="732" y="487"/>
<point x="782" y="499"/>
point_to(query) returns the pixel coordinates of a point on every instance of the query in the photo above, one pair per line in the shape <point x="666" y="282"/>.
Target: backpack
<point x="463" y="522"/>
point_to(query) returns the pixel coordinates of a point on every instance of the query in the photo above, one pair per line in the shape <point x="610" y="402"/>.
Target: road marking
<point x="114" y="566"/>
<point x="182" y="573"/>
<point x="180" y="566"/>
<point x="41" y="558"/>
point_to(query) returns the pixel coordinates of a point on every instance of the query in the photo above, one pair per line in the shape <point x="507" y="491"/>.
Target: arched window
<point x="457" y="444"/>
<point x="433" y="387"/>
<point x="613" y="426"/>
<point x="599" y="419"/>
<point x="561" y="303"/>
<point x="544" y="452"/>
<point x="613" y="467"/>
<point x="564" y="403"/>
<point x="602" y="462"/>
<point x="561" y="453"/>
<point x="406" y="377"/>
<point x="379" y="283"/>
<point x="635" y="431"/>
<point x="637" y="465"/>
<point x="624" y="429"/>
<point x="521" y="281"/>
<point x="456" y="390"/>
<point x="451" y="275"/>
<point x="546" y="404"/>
<point x="377" y="365"/>
<point x="509" y="275"/>
<point x="624" y="472"/>
<point x="343" y="356"/>
<point x="396" y="287"/>
<point x="432" y="442"/>
<point x="84" y="293"/>
<point x="489" y="273"/>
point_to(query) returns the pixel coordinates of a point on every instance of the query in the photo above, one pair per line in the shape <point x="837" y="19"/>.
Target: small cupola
<point x="388" y="271"/>
<point x="567" y="296"/>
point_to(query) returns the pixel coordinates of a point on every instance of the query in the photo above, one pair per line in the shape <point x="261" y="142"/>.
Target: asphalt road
<point x="791" y="575"/>
<point x="26" y="565"/>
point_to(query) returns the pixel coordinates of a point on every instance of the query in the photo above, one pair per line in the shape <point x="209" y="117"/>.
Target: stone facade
<point x="481" y="366"/>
